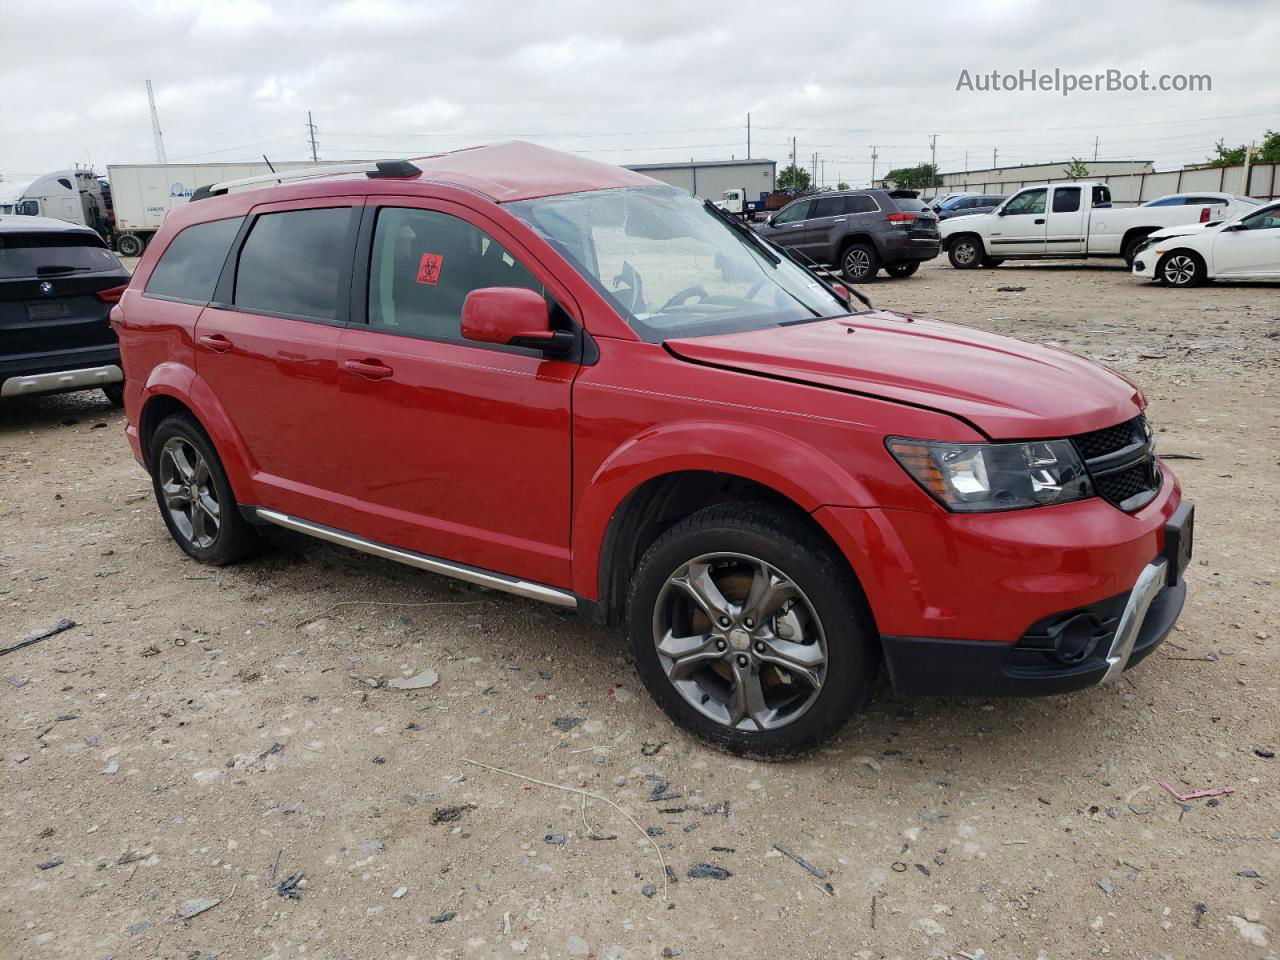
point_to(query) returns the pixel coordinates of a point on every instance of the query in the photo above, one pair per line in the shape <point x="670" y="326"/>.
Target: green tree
<point x="1268" y="152"/>
<point x="794" y="178"/>
<point x="842" y="185"/>
<point x="915" y="178"/>
<point x="1076" y="169"/>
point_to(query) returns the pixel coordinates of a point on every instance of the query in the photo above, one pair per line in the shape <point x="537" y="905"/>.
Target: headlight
<point x="979" y="477"/>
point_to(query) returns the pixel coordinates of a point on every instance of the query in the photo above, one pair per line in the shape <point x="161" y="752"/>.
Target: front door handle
<point x="369" y="369"/>
<point x="216" y="342"/>
<point x="1040" y="221"/>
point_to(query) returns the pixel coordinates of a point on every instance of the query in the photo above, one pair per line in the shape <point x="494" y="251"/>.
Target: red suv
<point x="565" y="380"/>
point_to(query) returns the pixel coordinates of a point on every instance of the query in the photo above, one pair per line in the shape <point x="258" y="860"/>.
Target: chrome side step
<point x="483" y="578"/>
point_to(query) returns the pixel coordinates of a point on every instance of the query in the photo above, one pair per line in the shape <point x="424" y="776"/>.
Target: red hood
<point x="1009" y="389"/>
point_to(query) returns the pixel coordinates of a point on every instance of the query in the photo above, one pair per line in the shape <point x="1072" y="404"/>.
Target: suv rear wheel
<point x="903" y="268"/>
<point x="748" y="630"/>
<point x="966" y="253"/>
<point x="195" y="499"/>
<point x="859" y="263"/>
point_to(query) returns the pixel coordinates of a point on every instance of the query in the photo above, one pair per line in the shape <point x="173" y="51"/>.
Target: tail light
<point x="902" y="219"/>
<point x="1204" y="214"/>
<point x="112" y="294"/>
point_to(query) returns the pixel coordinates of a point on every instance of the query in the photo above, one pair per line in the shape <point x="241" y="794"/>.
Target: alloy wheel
<point x="857" y="263"/>
<point x="1179" y="270"/>
<point x="189" y="493"/>
<point x="740" y="641"/>
<point x="966" y="252"/>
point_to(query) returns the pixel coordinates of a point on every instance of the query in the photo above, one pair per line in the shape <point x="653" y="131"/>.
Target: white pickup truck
<point x="1065" y="221"/>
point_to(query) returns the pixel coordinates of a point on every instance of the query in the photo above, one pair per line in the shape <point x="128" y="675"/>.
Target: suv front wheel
<point x="749" y="631"/>
<point x="194" y="496"/>
<point x="859" y="263"/>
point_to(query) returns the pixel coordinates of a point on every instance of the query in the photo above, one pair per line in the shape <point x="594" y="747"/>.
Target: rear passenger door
<point x="267" y="347"/>
<point x="452" y="448"/>
<point x="1064" y="221"/>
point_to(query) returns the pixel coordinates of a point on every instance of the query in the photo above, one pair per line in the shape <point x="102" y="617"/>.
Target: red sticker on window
<point x="429" y="268"/>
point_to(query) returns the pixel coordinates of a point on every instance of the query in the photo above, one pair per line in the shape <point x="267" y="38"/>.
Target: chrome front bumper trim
<point x="85" y="379"/>
<point x="1150" y="582"/>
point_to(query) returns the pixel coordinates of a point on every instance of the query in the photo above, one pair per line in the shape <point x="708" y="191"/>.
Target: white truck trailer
<point x="142" y="193"/>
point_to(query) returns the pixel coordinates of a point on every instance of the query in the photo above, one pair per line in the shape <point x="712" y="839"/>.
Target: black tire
<point x="129" y="245"/>
<point x="1130" y="251"/>
<point x="966" y="252"/>
<point x="114" y="392"/>
<point x="234" y="537"/>
<point x="1181" y="268"/>
<point x="992" y="262"/>
<point x="859" y="263"/>
<point x="902" y="269"/>
<point x="784" y="544"/>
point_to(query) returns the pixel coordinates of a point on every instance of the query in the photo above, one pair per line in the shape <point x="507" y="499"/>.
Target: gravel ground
<point x="212" y="764"/>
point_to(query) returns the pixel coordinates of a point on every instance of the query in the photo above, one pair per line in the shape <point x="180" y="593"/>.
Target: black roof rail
<point x="393" y="168"/>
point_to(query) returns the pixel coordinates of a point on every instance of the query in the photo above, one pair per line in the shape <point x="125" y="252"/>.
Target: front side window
<point x="290" y="263"/>
<point x="1268" y="219"/>
<point x="425" y="263"/>
<point x="29" y="208"/>
<point x="797" y="211"/>
<point x="673" y="266"/>
<point x="1066" y="199"/>
<point x="190" y="265"/>
<point x="1030" y="202"/>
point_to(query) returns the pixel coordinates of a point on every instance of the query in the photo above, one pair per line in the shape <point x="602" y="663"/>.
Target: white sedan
<point x="1246" y="247"/>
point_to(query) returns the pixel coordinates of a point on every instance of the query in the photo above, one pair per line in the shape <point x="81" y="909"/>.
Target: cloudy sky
<point x="624" y="82"/>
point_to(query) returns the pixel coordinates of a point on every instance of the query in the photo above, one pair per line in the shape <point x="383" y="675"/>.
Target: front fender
<point x="183" y="384"/>
<point x="802" y="474"/>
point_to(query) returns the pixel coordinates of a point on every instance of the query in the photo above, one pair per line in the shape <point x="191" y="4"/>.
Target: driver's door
<point x="1253" y="251"/>
<point x="1021" y="231"/>
<point x="451" y="448"/>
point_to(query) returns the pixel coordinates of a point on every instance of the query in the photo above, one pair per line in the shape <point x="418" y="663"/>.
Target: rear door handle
<point x="369" y="369"/>
<point x="216" y="342"/>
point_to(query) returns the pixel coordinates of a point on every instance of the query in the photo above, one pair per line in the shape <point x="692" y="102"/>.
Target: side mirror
<point x="1002" y="212"/>
<point x="513" y="316"/>
<point x="1232" y="226"/>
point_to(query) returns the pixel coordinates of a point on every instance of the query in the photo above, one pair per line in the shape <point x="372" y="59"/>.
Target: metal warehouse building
<point x="711" y="178"/>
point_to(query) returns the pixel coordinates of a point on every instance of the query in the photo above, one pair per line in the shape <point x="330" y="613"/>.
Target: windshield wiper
<point x="742" y="229"/>
<point x="58" y="268"/>
<point x="818" y="270"/>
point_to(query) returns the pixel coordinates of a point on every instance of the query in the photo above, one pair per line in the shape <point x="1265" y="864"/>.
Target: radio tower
<point x="155" y="126"/>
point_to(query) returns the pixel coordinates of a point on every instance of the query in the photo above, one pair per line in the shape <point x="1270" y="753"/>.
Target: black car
<point x="58" y="282"/>
<point x="859" y="231"/>
<point x="968" y="205"/>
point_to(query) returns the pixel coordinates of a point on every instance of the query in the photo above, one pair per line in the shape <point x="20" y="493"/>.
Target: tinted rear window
<point x="53" y="255"/>
<point x="190" y="265"/>
<point x="290" y="263"/>
<point x="911" y="204"/>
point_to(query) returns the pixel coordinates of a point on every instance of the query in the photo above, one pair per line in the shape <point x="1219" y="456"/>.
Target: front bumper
<point x="1144" y="264"/>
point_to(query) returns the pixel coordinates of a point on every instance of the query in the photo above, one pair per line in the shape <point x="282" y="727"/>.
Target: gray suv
<point x="858" y="231"/>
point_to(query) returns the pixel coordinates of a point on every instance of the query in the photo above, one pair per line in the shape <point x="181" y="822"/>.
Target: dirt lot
<point x="208" y="734"/>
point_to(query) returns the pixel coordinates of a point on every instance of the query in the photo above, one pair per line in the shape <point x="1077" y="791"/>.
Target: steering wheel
<point x="683" y="295"/>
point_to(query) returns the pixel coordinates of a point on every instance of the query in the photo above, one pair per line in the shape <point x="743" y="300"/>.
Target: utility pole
<point x="748" y="136"/>
<point x="933" y="152"/>
<point x="813" y="174"/>
<point x="155" y="126"/>
<point x="1244" y="180"/>
<point x="995" y="152"/>
<point x="793" y="151"/>
<point x="1095" y="148"/>
<point x="966" y="161"/>
<point x="874" y="157"/>
<point x="311" y="133"/>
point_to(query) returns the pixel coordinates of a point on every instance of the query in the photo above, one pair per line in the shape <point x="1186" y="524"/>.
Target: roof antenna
<point x="268" y="163"/>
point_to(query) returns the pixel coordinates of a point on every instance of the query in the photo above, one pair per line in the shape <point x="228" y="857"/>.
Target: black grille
<point x="1121" y="486"/>
<point x="1128" y="480"/>
<point x="1108" y="440"/>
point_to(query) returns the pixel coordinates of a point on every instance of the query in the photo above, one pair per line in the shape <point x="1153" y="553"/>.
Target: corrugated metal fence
<point x="1134" y="188"/>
